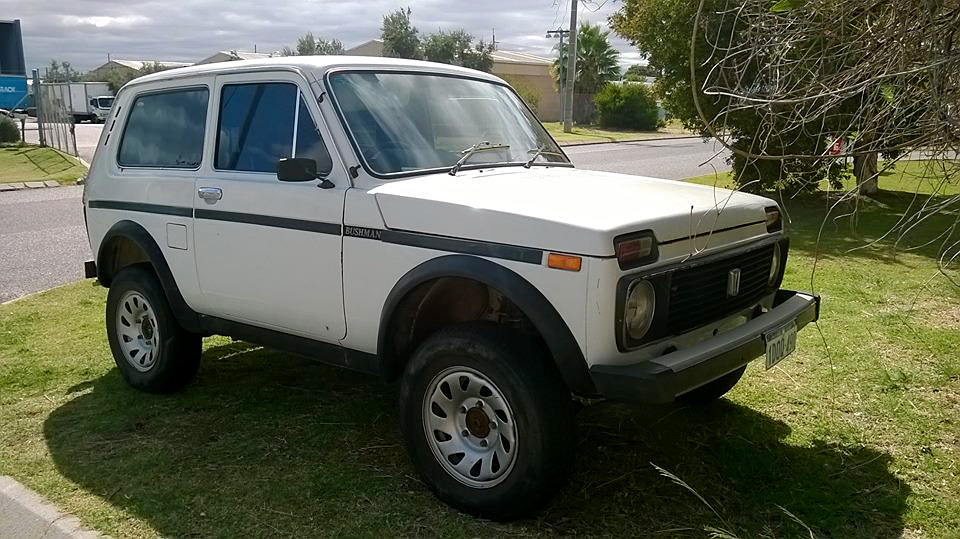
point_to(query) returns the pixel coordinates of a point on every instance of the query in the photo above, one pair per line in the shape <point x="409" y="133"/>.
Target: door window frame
<point x="128" y="113"/>
<point x="337" y="174"/>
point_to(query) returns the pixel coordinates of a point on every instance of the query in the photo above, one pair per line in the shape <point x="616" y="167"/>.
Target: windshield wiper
<point x="481" y="146"/>
<point x="537" y="152"/>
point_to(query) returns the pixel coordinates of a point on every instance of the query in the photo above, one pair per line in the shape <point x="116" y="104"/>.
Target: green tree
<point x="662" y="30"/>
<point x="457" y="48"/>
<point x="400" y="38"/>
<point x="61" y="72"/>
<point x="308" y="45"/>
<point x="117" y="77"/>
<point x="638" y="72"/>
<point x="596" y="60"/>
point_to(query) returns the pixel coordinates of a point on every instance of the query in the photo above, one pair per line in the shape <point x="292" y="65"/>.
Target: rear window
<point x="165" y="129"/>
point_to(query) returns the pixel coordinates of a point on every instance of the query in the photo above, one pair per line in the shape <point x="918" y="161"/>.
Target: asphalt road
<point x="43" y="242"/>
<point x="673" y="159"/>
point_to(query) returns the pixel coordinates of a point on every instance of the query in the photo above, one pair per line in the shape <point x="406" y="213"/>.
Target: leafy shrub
<point x="627" y="106"/>
<point x="9" y="132"/>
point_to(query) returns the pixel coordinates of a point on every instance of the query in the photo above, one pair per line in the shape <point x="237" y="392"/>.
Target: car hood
<point x="560" y="208"/>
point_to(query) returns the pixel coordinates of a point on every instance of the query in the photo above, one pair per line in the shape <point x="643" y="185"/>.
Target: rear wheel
<point x="152" y="352"/>
<point x="712" y="391"/>
<point x="487" y="420"/>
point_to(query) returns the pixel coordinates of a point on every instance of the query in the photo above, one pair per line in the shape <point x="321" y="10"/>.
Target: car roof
<point x="316" y="64"/>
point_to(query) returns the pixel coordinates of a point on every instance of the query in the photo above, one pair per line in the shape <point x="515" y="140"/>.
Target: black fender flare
<point x="555" y="332"/>
<point x="129" y="230"/>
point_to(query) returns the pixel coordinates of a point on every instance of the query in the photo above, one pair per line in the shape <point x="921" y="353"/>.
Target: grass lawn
<point x="582" y="134"/>
<point x="30" y="163"/>
<point x="857" y="433"/>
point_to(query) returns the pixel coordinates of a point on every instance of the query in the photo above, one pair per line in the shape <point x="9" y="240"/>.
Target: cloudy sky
<point x="84" y="31"/>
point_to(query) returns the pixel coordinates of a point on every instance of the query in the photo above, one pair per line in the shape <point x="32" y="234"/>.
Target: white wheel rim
<point x="470" y="427"/>
<point x="137" y="332"/>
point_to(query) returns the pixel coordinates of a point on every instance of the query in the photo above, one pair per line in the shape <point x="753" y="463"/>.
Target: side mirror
<point x="296" y="169"/>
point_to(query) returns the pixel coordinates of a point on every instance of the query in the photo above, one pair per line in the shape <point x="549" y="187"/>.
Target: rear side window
<point x="263" y="123"/>
<point x="165" y="129"/>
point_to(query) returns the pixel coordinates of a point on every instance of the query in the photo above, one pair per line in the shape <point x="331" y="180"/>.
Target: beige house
<point x="128" y="67"/>
<point x="531" y="72"/>
<point x="518" y="68"/>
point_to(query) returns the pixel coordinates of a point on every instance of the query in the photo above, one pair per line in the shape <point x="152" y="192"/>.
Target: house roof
<point x="365" y="43"/>
<point x="138" y="64"/>
<point x="514" y="57"/>
<point x="247" y="55"/>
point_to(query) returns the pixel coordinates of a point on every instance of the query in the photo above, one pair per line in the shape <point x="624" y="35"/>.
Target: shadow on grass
<point x="267" y="444"/>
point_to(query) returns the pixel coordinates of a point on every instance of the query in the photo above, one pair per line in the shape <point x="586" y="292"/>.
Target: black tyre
<point x="712" y="391"/>
<point x="487" y="420"/>
<point x="151" y="350"/>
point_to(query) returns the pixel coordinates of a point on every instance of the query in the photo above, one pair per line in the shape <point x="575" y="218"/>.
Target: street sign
<point x="837" y="147"/>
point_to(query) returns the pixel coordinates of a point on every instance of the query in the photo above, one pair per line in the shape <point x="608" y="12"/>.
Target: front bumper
<point x="662" y="379"/>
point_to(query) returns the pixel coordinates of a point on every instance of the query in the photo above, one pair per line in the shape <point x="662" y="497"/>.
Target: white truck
<point x="85" y="101"/>
<point x="415" y="221"/>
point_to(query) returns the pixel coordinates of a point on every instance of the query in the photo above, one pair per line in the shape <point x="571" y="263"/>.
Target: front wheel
<point x="152" y="351"/>
<point x="487" y="420"/>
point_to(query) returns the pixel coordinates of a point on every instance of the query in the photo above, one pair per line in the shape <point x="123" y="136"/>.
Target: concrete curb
<point x="595" y="142"/>
<point x="24" y="514"/>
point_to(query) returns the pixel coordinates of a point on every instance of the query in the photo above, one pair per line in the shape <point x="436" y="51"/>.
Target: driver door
<point x="267" y="251"/>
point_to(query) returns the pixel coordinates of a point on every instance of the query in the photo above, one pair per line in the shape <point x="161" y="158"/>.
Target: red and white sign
<point x="837" y="147"/>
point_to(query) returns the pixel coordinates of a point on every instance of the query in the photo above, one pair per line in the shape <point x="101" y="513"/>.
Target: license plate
<point x="781" y="342"/>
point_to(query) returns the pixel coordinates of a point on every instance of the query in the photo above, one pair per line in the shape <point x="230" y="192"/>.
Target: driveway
<point x="88" y="136"/>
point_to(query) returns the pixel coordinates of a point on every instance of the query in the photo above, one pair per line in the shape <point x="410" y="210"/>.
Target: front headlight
<point x="639" y="308"/>
<point x="775" y="264"/>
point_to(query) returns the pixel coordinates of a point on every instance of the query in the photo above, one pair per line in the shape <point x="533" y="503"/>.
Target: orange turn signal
<point x="563" y="262"/>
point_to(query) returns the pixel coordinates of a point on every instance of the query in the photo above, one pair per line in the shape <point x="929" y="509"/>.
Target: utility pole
<point x="571" y="69"/>
<point x="494" y="42"/>
<point x="560" y="33"/>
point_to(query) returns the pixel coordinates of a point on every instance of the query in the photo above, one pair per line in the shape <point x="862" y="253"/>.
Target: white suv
<point x="415" y="221"/>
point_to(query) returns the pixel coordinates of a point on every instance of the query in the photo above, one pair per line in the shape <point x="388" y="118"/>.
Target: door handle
<point x="210" y="194"/>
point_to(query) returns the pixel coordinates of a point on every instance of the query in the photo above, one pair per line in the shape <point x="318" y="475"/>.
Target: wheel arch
<point x="554" y="331"/>
<point x="128" y="243"/>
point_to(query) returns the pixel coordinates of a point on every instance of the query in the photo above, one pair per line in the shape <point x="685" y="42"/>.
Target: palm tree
<point x="596" y="60"/>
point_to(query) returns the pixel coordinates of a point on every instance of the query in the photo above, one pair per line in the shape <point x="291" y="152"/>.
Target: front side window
<point x="262" y="123"/>
<point x="165" y="129"/>
<point x="407" y="122"/>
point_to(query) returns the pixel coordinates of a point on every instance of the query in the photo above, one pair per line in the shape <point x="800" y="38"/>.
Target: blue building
<point x="13" y="69"/>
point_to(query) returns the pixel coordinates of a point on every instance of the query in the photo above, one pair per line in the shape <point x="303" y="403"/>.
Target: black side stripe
<point x="448" y="244"/>
<point x="470" y="247"/>
<point x="715" y="231"/>
<point x="269" y="220"/>
<point x="503" y="251"/>
<point x="179" y="211"/>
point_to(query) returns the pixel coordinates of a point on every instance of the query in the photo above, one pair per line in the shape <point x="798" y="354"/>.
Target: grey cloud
<point x="84" y="31"/>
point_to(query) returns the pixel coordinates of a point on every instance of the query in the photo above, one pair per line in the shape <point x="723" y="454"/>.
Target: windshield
<point x="104" y="102"/>
<point x="406" y="122"/>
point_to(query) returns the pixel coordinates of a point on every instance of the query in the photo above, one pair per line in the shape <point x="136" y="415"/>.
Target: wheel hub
<point x="478" y="423"/>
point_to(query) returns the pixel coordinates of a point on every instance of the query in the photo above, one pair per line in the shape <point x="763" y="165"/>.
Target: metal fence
<point x="54" y="120"/>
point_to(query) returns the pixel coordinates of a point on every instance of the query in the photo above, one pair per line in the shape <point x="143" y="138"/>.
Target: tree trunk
<point x="865" y="170"/>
